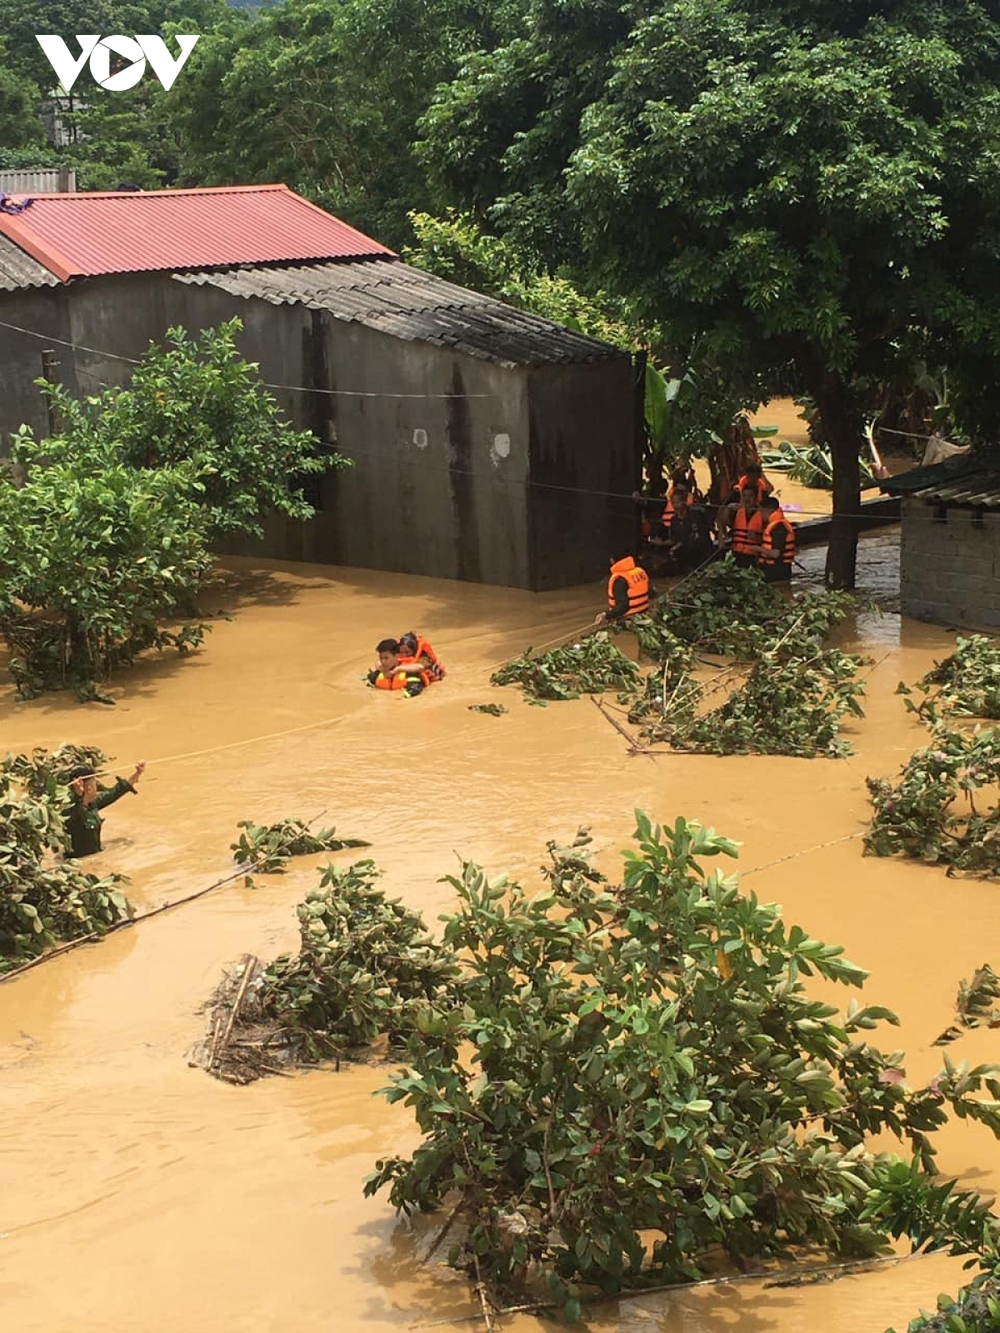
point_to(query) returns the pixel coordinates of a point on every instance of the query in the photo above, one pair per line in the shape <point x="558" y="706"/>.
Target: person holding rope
<point x="83" y="823"/>
<point x="687" y="542"/>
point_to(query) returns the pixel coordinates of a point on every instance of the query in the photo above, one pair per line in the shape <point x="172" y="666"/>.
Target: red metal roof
<point x="82" y="235"/>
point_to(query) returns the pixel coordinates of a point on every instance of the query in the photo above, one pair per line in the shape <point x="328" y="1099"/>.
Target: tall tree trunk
<point x="843" y="428"/>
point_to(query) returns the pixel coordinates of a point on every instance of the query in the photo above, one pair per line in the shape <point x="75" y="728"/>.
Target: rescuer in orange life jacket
<point x="628" y="591"/>
<point x="414" y="648"/>
<point x="777" y="545"/>
<point x="745" y="525"/>
<point x="392" y="674"/>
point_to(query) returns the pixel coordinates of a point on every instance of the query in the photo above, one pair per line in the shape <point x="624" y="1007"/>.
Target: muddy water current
<point x="139" y="1194"/>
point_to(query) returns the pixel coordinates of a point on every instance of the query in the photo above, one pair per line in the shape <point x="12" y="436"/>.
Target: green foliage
<point x="197" y="402"/>
<point x="270" y="846"/>
<point x="108" y="537"/>
<point x="589" y="667"/>
<point x="494" y="710"/>
<point x="722" y="609"/>
<point x="327" y="98"/>
<point x="365" y="968"/>
<point x="43" y="901"/>
<point x="456" y="248"/>
<point x="810" y="465"/>
<point x="637" y="1077"/>
<point x="945" y="809"/>
<point x="795" y="186"/>
<point x="789" y="704"/>
<point x="95" y="555"/>
<point x="967" y="683"/>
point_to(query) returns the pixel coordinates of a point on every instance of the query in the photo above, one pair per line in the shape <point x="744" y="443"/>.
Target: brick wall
<point x="950" y="568"/>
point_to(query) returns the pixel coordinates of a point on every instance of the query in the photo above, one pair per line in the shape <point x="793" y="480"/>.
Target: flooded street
<point x="140" y="1194"/>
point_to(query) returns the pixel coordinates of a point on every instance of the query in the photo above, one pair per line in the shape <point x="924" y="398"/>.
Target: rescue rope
<point x="806" y="851"/>
<point x="243" y="869"/>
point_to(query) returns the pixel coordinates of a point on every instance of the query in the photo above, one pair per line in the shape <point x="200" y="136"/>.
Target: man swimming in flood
<point x="394" y="674"/>
<point x="83" y="823"/>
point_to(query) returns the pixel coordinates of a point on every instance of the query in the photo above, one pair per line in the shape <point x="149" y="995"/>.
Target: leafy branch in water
<point x="366" y="968"/>
<point x="637" y="1076"/>
<point x="44" y="901"/>
<point x="945" y="809"/>
<point x="589" y="667"/>
<point x="271" y="846"/>
<point x="966" y="684"/>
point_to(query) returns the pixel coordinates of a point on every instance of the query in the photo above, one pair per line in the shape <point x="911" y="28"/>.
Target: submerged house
<point x="950" y="541"/>
<point x="488" y="444"/>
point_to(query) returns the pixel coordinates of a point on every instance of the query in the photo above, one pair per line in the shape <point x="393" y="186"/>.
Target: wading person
<point x="392" y="674"/>
<point x="687" y="541"/>
<point x="746" y="529"/>
<point x="777" y="546"/>
<point x="83" y="823"/>
<point x="628" y="590"/>
<point x="754" y="476"/>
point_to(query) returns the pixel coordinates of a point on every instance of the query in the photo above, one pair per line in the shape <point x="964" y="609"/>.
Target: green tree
<point x="198" y="401"/>
<point x="94" y="555"/>
<point x="19" y="97"/>
<point x="803" y="184"/>
<point x="646" y="1058"/>
<point x="326" y="97"/>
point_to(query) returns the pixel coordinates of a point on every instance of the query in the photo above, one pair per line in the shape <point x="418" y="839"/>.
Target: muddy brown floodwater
<point x="140" y="1194"/>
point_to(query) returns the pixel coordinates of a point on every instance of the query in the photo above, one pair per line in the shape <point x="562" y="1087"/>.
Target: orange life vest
<point x="778" y="520"/>
<point x="747" y="532"/>
<point x="764" y="487"/>
<point x="396" y="680"/>
<point x="638" y="585"/>
<point x="425" y="650"/>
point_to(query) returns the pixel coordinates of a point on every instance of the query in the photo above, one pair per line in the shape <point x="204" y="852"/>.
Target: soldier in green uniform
<point x="83" y="823"/>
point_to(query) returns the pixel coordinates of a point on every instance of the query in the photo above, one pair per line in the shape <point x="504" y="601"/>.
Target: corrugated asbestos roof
<point x="417" y="306"/>
<point x="43" y="180"/>
<point x="19" y="270"/>
<point x="971" y="480"/>
<point x="83" y="235"/>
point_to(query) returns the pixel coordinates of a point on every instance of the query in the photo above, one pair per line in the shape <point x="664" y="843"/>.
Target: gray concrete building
<point x="487" y="444"/>
<point x="950" y="541"/>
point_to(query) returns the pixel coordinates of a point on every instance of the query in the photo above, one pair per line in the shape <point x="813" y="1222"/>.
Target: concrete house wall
<point x="950" y="567"/>
<point x="489" y="473"/>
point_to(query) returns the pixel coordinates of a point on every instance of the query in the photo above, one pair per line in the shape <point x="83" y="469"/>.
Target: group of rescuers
<point x="680" y="535"/>
<point x="677" y="527"/>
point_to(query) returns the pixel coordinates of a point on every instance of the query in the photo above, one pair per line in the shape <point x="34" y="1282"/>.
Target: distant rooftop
<point x="84" y="235"/>
<point x="971" y="480"/>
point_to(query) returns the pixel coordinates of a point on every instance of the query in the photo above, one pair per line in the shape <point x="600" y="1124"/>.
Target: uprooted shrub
<point x="637" y="1077"/>
<point x="966" y="684"/>
<point x="269" y="847"/>
<point x="945" y="809"/>
<point x="589" y="667"/>
<point x="365" y="969"/>
<point x="44" y="901"/>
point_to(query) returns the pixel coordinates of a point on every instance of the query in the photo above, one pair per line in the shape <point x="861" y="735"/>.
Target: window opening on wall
<point x="939" y="513"/>
<point x="979" y="517"/>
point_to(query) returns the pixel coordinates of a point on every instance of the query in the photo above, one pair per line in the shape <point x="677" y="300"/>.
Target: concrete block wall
<point x="950" y="567"/>
<point x="463" y="468"/>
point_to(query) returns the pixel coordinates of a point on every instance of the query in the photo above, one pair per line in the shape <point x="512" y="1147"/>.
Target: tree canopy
<point x="809" y="186"/>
